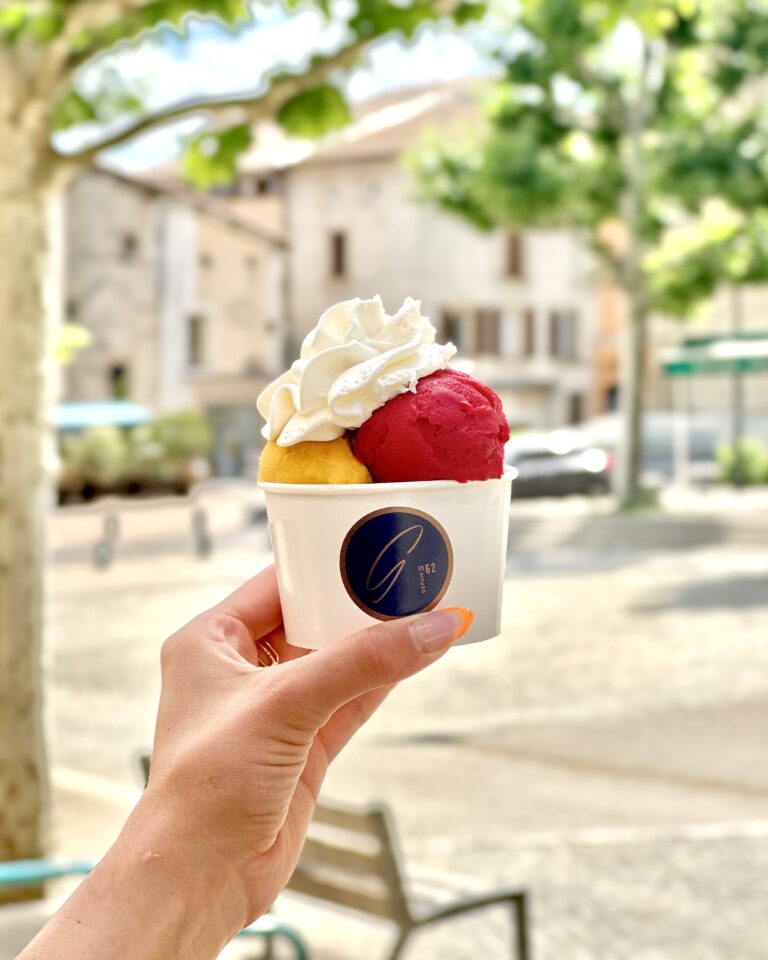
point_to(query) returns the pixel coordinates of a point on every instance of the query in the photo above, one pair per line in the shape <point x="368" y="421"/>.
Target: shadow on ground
<point x="730" y="593"/>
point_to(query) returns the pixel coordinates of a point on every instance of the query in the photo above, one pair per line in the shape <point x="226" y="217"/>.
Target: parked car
<point x="558" y="464"/>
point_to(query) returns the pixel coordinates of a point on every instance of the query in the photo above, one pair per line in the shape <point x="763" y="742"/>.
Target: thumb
<point x="379" y="656"/>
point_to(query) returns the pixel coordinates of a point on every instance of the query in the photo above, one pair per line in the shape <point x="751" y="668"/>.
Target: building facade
<point x="183" y="299"/>
<point x="520" y="307"/>
<point x="743" y="309"/>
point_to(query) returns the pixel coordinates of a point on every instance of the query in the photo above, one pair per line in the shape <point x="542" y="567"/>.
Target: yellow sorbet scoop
<point x="314" y="461"/>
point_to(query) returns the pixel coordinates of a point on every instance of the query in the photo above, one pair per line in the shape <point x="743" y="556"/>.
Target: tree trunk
<point x="630" y="491"/>
<point x="632" y="393"/>
<point x="25" y="354"/>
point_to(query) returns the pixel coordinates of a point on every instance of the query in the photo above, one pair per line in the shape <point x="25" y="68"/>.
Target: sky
<point x="211" y="61"/>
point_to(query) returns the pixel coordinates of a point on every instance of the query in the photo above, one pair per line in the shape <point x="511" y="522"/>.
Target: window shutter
<point x="529" y="333"/>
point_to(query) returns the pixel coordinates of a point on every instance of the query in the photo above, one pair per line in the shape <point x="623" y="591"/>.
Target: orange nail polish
<point x="467" y="616"/>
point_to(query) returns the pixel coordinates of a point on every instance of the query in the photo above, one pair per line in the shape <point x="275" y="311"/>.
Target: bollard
<point x="104" y="550"/>
<point x="202" y="538"/>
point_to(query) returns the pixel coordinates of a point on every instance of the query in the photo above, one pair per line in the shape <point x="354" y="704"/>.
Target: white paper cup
<point x="349" y="555"/>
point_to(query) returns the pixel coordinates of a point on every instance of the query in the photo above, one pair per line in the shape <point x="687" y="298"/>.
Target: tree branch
<point x="255" y="106"/>
<point x="79" y="17"/>
<point x="94" y="20"/>
<point x="92" y="14"/>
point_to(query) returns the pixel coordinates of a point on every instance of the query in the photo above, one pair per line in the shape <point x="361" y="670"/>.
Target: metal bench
<point x="32" y="873"/>
<point x="350" y="859"/>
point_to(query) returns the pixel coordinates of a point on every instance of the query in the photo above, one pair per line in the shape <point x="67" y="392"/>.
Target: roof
<point x="395" y="122"/>
<point x="80" y="416"/>
<point x="382" y="127"/>
<point x="211" y="206"/>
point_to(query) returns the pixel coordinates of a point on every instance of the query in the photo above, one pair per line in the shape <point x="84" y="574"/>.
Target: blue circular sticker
<point x="396" y="562"/>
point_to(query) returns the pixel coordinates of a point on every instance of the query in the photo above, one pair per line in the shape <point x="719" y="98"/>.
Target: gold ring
<point x="265" y="647"/>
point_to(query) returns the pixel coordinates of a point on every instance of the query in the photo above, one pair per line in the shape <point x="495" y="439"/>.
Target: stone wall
<point x="396" y="247"/>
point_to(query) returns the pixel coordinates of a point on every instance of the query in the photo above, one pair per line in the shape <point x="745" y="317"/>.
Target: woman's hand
<point x="240" y="753"/>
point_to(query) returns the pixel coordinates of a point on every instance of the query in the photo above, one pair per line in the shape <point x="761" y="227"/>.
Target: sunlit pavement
<point x="607" y="752"/>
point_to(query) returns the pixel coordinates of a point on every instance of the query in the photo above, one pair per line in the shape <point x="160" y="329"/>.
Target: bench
<point x="350" y="859"/>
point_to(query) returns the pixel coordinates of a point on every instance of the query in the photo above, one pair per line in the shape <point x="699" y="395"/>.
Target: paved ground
<point x="608" y="751"/>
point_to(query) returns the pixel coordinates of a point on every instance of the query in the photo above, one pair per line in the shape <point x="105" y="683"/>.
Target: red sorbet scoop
<point x="451" y="428"/>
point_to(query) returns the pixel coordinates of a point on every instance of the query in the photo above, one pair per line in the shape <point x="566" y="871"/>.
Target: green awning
<point x="734" y="353"/>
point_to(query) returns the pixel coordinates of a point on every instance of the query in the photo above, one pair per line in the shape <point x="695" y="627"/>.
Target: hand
<point x="239" y="756"/>
<point x="241" y="749"/>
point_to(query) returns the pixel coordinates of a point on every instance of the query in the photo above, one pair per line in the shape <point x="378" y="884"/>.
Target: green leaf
<point x="376" y="17"/>
<point x="70" y="340"/>
<point x="114" y="98"/>
<point x="211" y="158"/>
<point x="13" y="16"/>
<point x="14" y="21"/>
<point x="156" y="14"/>
<point x="72" y="110"/>
<point x="314" y="112"/>
<point x="469" y="12"/>
<point x="46" y="27"/>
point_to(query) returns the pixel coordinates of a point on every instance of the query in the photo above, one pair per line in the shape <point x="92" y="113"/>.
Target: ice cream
<point x="355" y="359"/>
<point x="312" y="462"/>
<point x="371" y="400"/>
<point x="451" y="428"/>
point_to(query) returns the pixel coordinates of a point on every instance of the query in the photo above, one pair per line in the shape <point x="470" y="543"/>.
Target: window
<point x="268" y="186"/>
<point x="338" y="254"/>
<point x="514" y="255"/>
<point x="129" y="246"/>
<point x="488" y="323"/>
<point x="196" y="340"/>
<point x="562" y="334"/>
<point x="612" y="398"/>
<point x="529" y="333"/>
<point x="206" y="261"/>
<point x="575" y="408"/>
<point x="119" y="382"/>
<point x="451" y="328"/>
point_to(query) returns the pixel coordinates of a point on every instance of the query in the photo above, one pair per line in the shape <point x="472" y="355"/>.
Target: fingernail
<point x="438" y="629"/>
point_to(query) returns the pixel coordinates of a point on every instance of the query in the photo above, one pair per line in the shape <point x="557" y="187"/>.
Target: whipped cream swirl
<point x="355" y="359"/>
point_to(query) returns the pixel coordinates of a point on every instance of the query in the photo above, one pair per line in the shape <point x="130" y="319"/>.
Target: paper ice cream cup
<point x="351" y="555"/>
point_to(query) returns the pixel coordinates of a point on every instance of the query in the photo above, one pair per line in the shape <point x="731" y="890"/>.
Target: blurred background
<point x="578" y="194"/>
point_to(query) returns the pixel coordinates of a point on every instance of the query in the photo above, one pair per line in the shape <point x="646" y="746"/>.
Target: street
<point x="607" y="751"/>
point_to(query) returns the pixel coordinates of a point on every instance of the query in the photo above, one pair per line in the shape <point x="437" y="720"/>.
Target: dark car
<point x="558" y="467"/>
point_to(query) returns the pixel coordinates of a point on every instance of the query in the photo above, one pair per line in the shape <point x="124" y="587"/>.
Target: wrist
<point x="161" y="847"/>
<point x="159" y="891"/>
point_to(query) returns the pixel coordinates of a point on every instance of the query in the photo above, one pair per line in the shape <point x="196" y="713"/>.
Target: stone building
<point x="183" y="298"/>
<point x="521" y="307"/>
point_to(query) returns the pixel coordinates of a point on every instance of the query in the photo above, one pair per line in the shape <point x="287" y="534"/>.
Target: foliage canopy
<point x="586" y="83"/>
<point x="59" y="39"/>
